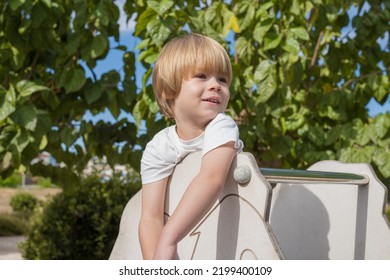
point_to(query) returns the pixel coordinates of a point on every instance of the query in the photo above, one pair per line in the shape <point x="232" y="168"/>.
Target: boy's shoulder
<point x="162" y="137"/>
<point x="222" y="121"/>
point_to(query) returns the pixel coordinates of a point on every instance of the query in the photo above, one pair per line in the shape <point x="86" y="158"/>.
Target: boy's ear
<point x="170" y="97"/>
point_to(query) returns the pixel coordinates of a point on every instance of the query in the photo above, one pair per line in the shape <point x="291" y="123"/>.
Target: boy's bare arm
<point x="197" y="200"/>
<point x="152" y="216"/>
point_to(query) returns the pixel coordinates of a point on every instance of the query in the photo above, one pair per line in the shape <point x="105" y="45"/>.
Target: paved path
<point x="9" y="249"/>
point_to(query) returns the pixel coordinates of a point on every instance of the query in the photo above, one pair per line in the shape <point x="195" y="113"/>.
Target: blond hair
<point x="182" y="57"/>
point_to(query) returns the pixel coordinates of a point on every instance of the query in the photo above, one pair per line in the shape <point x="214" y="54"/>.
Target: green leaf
<point x="332" y="136"/>
<point x="380" y="88"/>
<point x="73" y="79"/>
<point x="113" y="104"/>
<point x="283" y="145"/>
<point x="129" y="91"/>
<point x="144" y="19"/>
<point x="27" y="88"/>
<point x="21" y="140"/>
<point x="110" y="79"/>
<point x="16" y="4"/>
<point x="249" y="14"/>
<point x="69" y="136"/>
<point x="18" y="57"/>
<point x="213" y="12"/>
<point x="261" y="29"/>
<point x="6" y="161"/>
<point x="300" y="33"/>
<point x="150" y="101"/>
<point x="7" y="102"/>
<point x="129" y="60"/>
<point x="291" y="45"/>
<point x="331" y="13"/>
<point x="316" y="135"/>
<point x="26" y="116"/>
<point x="43" y="143"/>
<point x="51" y="99"/>
<point x="265" y="77"/>
<point x="143" y="44"/>
<point x="315" y="156"/>
<point x="379" y="127"/>
<point x="145" y="78"/>
<point x="357" y="154"/>
<point x="244" y="48"/>
<point x="161" y="7"/>
<point x="48" y="3"/>
<point x="93" y="93"/>
<point x="272" y="41"/>
<point x="102" y="16"/>
<point x="265" y="6"/>
<point x="99" y="46"/>
<point x="44" y="123"/>
<point x="294" y="122"/>
<point x="382" y="160"/>
<point x="159" y="30"/>
<point x="294" y="7"/>
<point x="329" y="112"/>
<point x="6" y="136"/>
<point x="149" y="56"/>
<point x="362" y="133"/>
<point x="139" y="111"/>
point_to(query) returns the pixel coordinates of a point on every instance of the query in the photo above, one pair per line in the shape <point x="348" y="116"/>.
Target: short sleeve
<point x="158" y="160"/>
<point x="220" y="131"/>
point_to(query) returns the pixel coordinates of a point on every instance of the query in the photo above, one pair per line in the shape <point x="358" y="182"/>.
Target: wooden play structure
<point x="331" y="211"/>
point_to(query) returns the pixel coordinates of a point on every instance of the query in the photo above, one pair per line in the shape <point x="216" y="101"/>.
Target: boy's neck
<point x="188" y="132"/>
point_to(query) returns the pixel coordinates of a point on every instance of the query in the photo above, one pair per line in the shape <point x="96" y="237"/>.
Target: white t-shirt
<point x="166" y="149"/>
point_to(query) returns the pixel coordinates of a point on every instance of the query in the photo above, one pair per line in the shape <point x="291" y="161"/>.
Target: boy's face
<point x="202" y="97"/>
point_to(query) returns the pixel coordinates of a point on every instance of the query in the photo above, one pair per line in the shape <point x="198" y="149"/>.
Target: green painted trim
<point x="275" y="175"/>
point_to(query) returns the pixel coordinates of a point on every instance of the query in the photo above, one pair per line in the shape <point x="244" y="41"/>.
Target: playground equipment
<point x="277" y="214"/>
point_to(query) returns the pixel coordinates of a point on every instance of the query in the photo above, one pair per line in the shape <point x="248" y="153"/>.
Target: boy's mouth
<point x="212" y="100"/>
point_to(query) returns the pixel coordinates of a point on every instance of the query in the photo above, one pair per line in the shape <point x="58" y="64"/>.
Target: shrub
<point x="79" y="224"/>
<point x="12" y="225"/>
<point x="12" y="181"/>
<point x="24" y="203"/>
<point x="388" y="212"/>
<point x="44" y="182"/>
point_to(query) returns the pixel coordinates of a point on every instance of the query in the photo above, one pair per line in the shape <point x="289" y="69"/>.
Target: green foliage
<point x="11" y="225"/>
<point x="388" y="213"/>
<point x="82" y="224"/>
<point x="304" y="73"/>
<point x="12" y="181"/>
<point x="44" y="182"/>
<point x="24" y="203"/>
<point x="47" y="48"/>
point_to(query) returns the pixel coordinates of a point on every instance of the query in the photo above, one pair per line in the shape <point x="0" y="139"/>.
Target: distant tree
<point x="48" y="52"/>
<point x="304" y="73"/>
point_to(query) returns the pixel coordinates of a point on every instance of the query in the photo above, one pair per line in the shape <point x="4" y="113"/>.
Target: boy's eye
<point x="200" y="76"/>
<point x="223" y="80"/>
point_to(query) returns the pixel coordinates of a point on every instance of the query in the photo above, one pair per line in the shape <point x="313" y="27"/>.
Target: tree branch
<point x="350" y="81"/>
<point x="34" y="63"/>
<point x="316" y="50"/>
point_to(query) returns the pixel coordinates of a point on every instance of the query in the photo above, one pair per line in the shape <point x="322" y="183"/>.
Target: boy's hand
<point x="166" y="252"/>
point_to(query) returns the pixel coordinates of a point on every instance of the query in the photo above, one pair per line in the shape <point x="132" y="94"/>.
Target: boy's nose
<point x="214" y="84"/>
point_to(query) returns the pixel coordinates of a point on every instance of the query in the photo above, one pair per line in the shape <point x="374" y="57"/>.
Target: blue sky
<point x="114" y="62"/>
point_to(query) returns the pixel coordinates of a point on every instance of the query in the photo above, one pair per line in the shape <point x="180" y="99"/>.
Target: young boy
<point x="191" y="82"/>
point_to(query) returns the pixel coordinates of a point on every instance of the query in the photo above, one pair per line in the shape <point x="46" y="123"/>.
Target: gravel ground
<point x="9" y="249"/>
